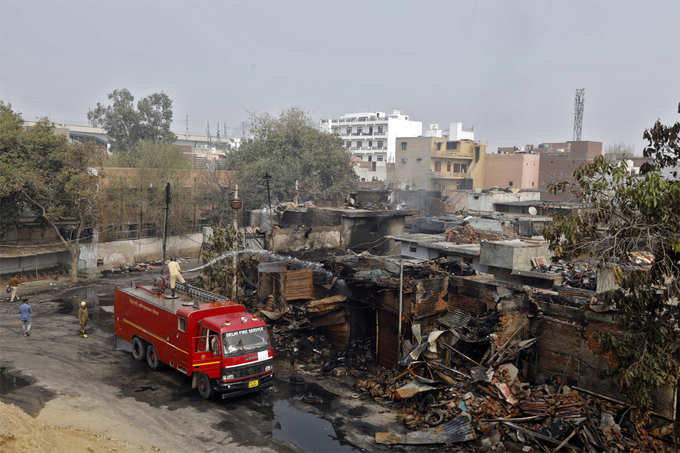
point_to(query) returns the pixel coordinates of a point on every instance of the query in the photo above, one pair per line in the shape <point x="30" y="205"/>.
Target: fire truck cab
<point x="224" y="349"/>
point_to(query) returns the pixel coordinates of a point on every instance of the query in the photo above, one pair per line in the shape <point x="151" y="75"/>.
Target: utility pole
<point x="267" y="178"/>
<point x="401" y="306"/>
<point x="165" y="223"/>
<point x="236" y="205"/>
<point x="186" y="130"/>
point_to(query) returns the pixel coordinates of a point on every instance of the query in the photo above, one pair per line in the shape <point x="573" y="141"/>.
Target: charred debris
<point x="477" y="339"/>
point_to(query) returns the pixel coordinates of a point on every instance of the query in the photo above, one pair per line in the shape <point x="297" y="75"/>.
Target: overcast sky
<point x="509" y="68"/>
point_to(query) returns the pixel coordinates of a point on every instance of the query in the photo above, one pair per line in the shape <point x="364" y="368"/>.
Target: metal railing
<point x="198" y="293"/>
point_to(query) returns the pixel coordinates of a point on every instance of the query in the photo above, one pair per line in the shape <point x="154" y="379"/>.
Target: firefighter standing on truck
<point x="83" y="317"/>
<point x="175" y="274"/>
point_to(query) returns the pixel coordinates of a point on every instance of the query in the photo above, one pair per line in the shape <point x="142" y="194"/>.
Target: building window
<point x="451" y="145"/>
<point x="404" y="160"/>
<point x="463" y="168"/>
<point x="370" y="144"/>
<point x="380" y="144"/>
<point x="370" y="130"/>
<point x="509" y="183"/>
<point x="439" y="146"/>
<point x="370" y="158"/>
<point x="448" y="166"/>
<point x="380" y="129"/>
<point x="403" y="146"/>
<point x="437" y="165"/>
<point x="413" y="248"/>
<point x="476" y="153"/>
<point x="358" y="145"/>
<point x="419" y="159"/>
<point x="348" y="144"/>
<point x="532" y="184"/>
<point x="359" y="130"/>
<point x="380" y="158"/>
<point x="456" y="168"/>
<point x="349" y="131"/>
<point x="373" y="167"/>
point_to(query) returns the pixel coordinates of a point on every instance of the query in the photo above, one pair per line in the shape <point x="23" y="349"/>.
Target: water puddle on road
<point x="304" y="429"/>
<point x="21" y="390"/>
<point x="288" y="417"/>
<point x="10" y="382"/>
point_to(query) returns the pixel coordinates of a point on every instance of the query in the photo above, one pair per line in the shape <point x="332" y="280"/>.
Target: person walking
<point x="25" y="310"/>
<point x="83" y="316"/>
<point x="13" y="285"/>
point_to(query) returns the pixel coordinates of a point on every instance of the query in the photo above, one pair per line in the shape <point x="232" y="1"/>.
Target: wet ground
<point x="91" y="381"/>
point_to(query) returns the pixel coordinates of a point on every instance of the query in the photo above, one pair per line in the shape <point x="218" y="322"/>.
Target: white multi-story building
<point x="372" y="137"/>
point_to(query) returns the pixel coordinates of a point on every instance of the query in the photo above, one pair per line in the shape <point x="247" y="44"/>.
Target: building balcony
<point x="449" y="176"/>
<point x="453" y="154"/>
<point x="367" y="149"/>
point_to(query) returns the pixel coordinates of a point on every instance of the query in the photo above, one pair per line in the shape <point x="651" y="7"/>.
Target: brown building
<point x="515" y="170"/>
<point x="436" y="163"/>
<point x="557" y="166"/>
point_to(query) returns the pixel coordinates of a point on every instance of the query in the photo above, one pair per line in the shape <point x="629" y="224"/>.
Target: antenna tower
<point x="186" y="131"/>
<point x="207" y="132"/>
<point x="579" y="100"/>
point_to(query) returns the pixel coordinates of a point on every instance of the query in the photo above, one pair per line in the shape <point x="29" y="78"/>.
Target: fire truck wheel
<point x="152" y="357"/>
<point x="138" y="349"/>
<point x="204" y="387"/>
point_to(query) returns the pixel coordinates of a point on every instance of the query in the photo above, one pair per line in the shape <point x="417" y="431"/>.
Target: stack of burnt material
<point x="462" y="384"/>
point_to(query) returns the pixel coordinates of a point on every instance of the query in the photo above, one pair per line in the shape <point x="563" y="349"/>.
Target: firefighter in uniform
<point x="83" y="317"/>
<point x="13" y="286"/>
<point x="175" y="275"/>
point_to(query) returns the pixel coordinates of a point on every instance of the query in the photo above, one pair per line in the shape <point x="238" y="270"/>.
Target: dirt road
<point x="68" y="381"/>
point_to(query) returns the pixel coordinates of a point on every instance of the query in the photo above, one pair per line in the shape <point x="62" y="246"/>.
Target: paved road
<point x="85" y="383"/>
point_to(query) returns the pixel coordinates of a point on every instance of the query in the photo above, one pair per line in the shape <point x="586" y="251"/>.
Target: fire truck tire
<point x="203" y="386"/>
<point x="138" y="348"/>
<point x="152" y="357"/>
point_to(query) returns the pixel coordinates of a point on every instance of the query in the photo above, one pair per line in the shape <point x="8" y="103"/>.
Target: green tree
<point x="219" y="276"/>
<point x="57" y="181"/>
<point x="127" y="125"/>
<point x="10" y="136"/>
<point x="289" y="148"/>
<point x="622" y="214"/>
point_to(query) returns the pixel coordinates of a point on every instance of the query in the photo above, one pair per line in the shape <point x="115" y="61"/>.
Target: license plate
<point x="254" y="383"/>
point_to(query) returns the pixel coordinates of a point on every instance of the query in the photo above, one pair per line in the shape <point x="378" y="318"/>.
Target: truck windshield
<point x="242" y="341"/>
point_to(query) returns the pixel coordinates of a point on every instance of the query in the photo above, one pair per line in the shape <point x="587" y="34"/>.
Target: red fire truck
<point x="216" y="342"/>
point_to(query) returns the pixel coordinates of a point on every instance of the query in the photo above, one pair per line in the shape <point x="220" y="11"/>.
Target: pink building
<point x="516" y="170"/>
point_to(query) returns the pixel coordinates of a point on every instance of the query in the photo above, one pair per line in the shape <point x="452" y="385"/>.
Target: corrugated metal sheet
<point x="457" y="430"/>
<point x="456" y="319"/>
<point x="10" y="251"/>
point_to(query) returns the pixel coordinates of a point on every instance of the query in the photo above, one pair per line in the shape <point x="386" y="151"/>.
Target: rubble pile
<point x="131" y="268"/>
<point x="467" y="234"/>
<point x="451" y="393"/>
<point x="574" y="275"/>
